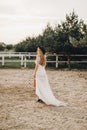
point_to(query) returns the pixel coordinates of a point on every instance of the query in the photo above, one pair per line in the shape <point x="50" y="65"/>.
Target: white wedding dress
<point x="43" y="90"/>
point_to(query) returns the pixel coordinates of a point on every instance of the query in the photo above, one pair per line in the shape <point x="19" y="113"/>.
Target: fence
<point x="24" y="57"/>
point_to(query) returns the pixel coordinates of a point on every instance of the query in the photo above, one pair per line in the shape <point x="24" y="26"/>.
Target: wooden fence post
<point x="9" y="54"/>
<point x="25" y="61"/>
<point x="56" y="61"/>
<point x="3" y="61"/>
<point x="21" y="60"/>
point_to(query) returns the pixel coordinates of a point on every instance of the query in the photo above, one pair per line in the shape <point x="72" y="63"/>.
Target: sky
<point x="20" y="19"/>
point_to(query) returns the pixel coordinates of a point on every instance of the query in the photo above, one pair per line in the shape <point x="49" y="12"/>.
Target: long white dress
<point x="43" y="90"/>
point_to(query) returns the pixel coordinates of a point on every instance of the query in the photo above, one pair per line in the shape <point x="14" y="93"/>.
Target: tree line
<point x="4" y="47"/>
<point x="69" y="37"/>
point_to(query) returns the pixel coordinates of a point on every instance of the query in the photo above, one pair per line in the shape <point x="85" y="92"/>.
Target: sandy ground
<point x="19" y="109"/>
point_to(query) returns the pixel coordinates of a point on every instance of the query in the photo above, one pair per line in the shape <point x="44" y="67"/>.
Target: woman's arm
<point x="36" y="68"/>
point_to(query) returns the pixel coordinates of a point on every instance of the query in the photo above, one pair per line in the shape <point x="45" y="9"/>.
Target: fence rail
<point x="24" y="57"/>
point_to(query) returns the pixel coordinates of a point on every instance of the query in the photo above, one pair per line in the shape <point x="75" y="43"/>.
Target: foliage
<point x="68" y="37"/>
<point x="2" y="46"/>
<point x="9" y="47"/>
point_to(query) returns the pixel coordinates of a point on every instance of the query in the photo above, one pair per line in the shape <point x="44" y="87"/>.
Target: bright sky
<point x="22" y="18"/>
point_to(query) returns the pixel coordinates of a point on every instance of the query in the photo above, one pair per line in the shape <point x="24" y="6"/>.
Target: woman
<point x="43" y="90"/>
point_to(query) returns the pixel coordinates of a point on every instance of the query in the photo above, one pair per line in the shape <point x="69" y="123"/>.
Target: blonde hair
<point x="42" y="60"/>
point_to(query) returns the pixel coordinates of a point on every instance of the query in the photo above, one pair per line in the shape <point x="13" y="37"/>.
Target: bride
<point x="43" y="90"/>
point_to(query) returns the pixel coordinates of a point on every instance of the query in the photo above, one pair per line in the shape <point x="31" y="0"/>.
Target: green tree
<point x="9" y="47"/>
<point x="2" y="46"/>
<point x="20" y="47"/>
<point x="48" y="38"/>
<point x="70" y="29"/>
<point x="31" y="45"/>
<point x="67" y="37"/>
